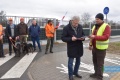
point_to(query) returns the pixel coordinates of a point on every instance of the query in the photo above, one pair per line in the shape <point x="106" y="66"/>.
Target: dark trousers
<point x="10" y="45"/>
<point x="98" y="61"/>
<point x="37" y="39"/>
<point x="1" y="48"/>
<point x="70" y="66"/>
<point x="49" y="43"/>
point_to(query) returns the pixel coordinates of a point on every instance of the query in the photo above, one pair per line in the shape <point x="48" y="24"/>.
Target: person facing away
<point x="99" y="40"/>
<point x="1" y="41"/>
<point x="73" y="35"/>
<point x="34" y="31"/>
<point x="11" y="35"/>
<point x="22" y="31"/>
<point x="49" y="30"/>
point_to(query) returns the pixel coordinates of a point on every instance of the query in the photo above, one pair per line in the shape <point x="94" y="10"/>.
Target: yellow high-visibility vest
<point x="101" y="44"/>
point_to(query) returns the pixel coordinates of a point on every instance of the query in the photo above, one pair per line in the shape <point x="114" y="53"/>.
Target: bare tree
<point x="85" y="17"/>
<point x="3" y="19"/>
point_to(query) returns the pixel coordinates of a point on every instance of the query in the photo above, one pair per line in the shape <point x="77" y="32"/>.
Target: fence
<point x="42" y="21"/>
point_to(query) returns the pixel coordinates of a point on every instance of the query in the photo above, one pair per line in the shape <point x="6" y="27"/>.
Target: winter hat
<point x="100" y="16"/>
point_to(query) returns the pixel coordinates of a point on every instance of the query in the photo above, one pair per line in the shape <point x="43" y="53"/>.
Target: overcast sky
<point x="57" y="8"/>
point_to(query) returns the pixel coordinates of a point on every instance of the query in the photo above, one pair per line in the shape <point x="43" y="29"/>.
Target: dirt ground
<point x="114" y="48"/>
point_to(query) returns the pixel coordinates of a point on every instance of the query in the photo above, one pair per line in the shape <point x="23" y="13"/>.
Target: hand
<point x="10" y="38"/>
<point x="91" y="36"/>
<point x="26" y="35"/>
<point x="1" y="37"/>
<point x="74" y="38"/>
<point x="90" y="47"/>
<point x="17" y="38"/>
<point x="56" y="27"/>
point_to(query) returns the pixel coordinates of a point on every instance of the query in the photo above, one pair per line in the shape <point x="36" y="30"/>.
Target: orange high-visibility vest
<point x="1" y="30"/>
<point x="50" y="30"/>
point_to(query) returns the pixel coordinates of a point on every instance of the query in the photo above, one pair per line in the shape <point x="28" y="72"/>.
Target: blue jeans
<point x="70" y="66"/>
<point x="37" y="39"/>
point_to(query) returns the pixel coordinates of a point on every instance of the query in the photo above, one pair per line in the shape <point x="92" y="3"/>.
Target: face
<point x="34" y="22"/>
<point x="10" y="22"/>
<point x="22" y="20"/>
<point x="98" y="21"/>
<point x="75" y="23"/>
<point x="50" y="23"/>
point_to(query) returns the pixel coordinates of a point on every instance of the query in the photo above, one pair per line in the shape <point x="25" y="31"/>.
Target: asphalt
<point x="54" y="66"/>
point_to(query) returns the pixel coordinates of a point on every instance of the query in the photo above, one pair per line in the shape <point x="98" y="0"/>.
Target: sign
<point x="106" y="10"/>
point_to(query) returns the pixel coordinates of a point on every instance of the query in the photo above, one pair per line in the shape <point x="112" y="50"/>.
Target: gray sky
<point x="57" y="8"/>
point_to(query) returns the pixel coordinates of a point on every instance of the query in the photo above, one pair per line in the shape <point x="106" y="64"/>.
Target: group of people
<point x="73" y="35"/>
<point x="21" y="32"/>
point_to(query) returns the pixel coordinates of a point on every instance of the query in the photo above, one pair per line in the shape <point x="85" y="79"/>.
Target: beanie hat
<point x="100" y="16"/>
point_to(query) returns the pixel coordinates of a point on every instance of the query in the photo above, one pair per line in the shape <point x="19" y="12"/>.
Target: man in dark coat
<point x="73" y="35"/>
<point x="11" y="35"/>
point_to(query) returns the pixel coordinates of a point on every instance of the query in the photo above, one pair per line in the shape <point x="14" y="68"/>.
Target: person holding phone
<point x="73" y="36"/>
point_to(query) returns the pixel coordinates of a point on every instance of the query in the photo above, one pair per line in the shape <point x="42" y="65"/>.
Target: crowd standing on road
<point x="72" y="34"/>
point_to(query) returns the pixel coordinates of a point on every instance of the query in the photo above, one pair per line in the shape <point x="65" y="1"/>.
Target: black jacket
<point x="74" y="48"/>
<point x="8" y="31"/>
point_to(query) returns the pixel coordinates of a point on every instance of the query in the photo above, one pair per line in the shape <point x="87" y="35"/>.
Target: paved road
<point x="38" y="66"/>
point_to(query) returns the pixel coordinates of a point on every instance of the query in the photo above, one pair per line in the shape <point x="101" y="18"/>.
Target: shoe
<point x="93" y="75"/>
<point x="99" y="78"/>
<point x="40" y="50"/>
<point x="3" y="56"/>
<point x="71" y="78"/>
<point x="78" y="76"/>
<point x="46" y="52"/>
<point x="10" y="54"/>
<point x="51" y="51"/>
<point x="34" y="49"/>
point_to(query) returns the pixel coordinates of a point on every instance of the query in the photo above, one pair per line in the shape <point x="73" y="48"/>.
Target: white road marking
<point x="17" y="70"/>
<point x="112" y="61"/>
<point x="118" y="57"/>
<point x="5" y="59"/>
<point x="89" y="67"/>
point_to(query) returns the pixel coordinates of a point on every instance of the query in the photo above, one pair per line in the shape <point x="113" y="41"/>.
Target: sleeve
<point x="39" y="30"/>
<point x="65" y="37"/>
<point x="27" y="29"/>
<point x="6" y="31"/>
<point x="3" y="32"/>
<point x="106" y="34"/>
<point x="15" y="27"/>
<point x="17" y="30"/>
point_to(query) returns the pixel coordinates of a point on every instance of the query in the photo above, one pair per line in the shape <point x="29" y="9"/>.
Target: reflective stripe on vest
<point x="101" y="44"/>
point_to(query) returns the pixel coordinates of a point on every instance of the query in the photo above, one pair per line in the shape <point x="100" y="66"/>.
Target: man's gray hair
<point x="75" y="18"/>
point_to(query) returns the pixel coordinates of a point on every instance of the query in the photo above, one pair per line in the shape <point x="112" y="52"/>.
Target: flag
<point x="60" y="23"/>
